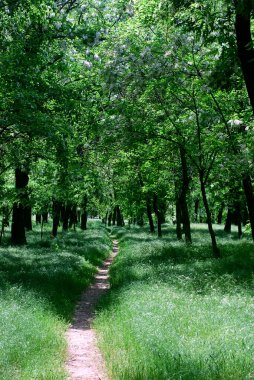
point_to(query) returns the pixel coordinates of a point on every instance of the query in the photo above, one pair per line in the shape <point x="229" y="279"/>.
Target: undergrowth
<point x="176" y="312"/>
<point x="40" y="285"/>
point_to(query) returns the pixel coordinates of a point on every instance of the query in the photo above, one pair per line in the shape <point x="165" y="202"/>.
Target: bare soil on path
<point x="85" y="361"/>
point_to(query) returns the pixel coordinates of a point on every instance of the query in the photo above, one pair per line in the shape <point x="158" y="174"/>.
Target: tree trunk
<point x="110" y="219"/>
<point x="196" y="208"/>
<point x="38" y="218"/>
<point x="84" y="215"/>
<point x="248" y="190"/>
<point x="178" y="220"/>
<point x="140" y="218"/>
<point x="65" y="215"/>
<point x="83" y="224"/>
<point x="228" y="223"/>
<point x="157" y="213"/>
<point x="119" y="218"/>
<point x="220" y="213"/>
<point x="216" y="251"/>
<point x="149" y="214"/>
<point x="244" y="45"/>
<point x="114" y="216"/>
<point x="183" y="197"/>
<point x="238" y="219"/>
<point x="28" y="218"/>
<point x="45" y="217"/>
<point x="56" y="217"/>
<point x="18" y="235"/>
<point x="73" y="217"/>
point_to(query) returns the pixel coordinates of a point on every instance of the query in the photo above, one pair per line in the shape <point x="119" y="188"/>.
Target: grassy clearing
<point x="40" y="285"/>
<point x="175" y="313"/>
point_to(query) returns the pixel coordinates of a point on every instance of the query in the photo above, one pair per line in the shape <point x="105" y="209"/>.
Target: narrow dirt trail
<point x="85" y="361"/>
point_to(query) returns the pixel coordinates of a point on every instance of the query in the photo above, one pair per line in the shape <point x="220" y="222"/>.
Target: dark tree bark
<point x="83" y="224"/>
<point x="18" y="235"/>
<point x="220" y="213"/>
<point x="105" y="220"/>
<point x="65" y="215"/>
<point x="216" y="251"/>
<point x="246" y="56"/>
<point x="183" y="197"/>
<point x="196" y="209"/>
<point x="244" y="44"/>
<point x="140" y="218"/>
<point x="163" y="210"/>
<point x="245" y="215"/>
<point x="248" y="190"/>
<point x="110" y="219"/>
<point x="178" y="220"/>
<point x="28" y="218"/>
<point x="149" y="214"/>
<point x="119" y="217"/>
<point x="73" y="217"/>
<point x="38" y="218"/>
<point x="56" y="208"/>
<point x="114" y="216"/>
<point x="228" y="223"/>
<point x="84" y="215"/>
<point x="158" y="214"/>
<point x="238" y="219"/>
<point x="45" y="217"/>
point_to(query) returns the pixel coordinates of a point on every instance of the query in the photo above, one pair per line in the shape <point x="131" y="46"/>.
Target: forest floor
<point x="85" y="361"/>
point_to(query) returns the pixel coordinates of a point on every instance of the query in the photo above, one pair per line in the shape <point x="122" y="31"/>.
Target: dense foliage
<point x="131" y="110"/>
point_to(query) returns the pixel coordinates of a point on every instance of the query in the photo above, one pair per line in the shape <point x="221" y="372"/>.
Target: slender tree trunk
<point x="228" y="223"/>
<point x="18" y="235"/>
<point x="83" y="220"/>
<point x="196" y="208"/>
<point x="38" y="218"/>
<point x="65" y="215"/>
<point x="183" y="197"/>
<point x="158" y="214"/>
<point x="114" y="216"/>
<point x="56" y="217"/>
<point x="105" y="220"/>
<point x="248" y="190"/>
<point x="83" y="224"/>
<point x="45" y="217"/>
<point x="220" y="213"/>
<point x="178" y="220"/>
<point x="238" y="219"/>
<point x="140" y="218"/>
<point x="110" y="219"/>
<point x="216" y="251"/>
<point x="73" y="217"/>
<point x="149" y="214"/>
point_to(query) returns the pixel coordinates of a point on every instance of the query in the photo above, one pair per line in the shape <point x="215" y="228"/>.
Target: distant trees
<point x="129" y="109"/>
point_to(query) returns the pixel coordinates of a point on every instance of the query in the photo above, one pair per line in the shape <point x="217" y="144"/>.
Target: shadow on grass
<point x="56" y="271"/>
<point x="185" y="267"/>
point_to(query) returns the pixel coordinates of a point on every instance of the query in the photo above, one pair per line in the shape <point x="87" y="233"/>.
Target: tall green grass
<point x="39" y="287"/>
<point x="176" y="313"/>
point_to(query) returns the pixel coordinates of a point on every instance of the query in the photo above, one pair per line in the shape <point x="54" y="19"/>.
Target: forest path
<point x="85" y="361"/>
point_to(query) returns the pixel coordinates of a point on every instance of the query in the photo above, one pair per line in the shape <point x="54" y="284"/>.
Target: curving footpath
<point x="85" y="361"/>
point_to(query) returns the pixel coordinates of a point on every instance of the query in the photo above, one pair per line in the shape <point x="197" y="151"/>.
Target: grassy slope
<point x="39" y="286"/>
<point x="175" y="313"/>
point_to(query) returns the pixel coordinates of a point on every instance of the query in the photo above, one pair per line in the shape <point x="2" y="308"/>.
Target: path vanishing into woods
<point x="85" y="361"/>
